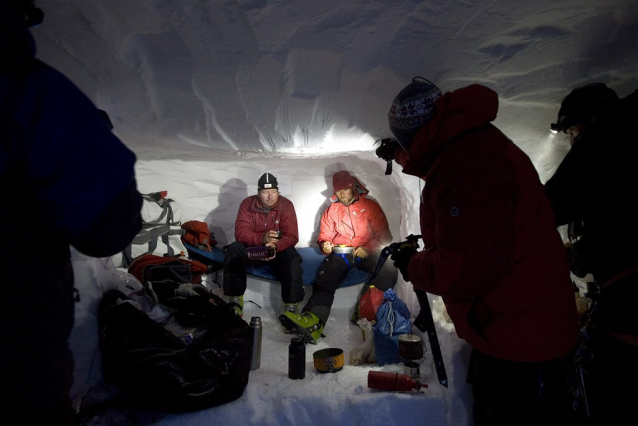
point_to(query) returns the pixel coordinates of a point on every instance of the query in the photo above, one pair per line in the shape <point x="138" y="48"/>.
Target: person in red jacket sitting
<point x="266" y="219"/>
<point x="491" y="250"/>
<point x="354" y="230"/>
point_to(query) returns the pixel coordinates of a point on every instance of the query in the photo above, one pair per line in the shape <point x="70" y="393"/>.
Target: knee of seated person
<point x="334" y="264"/>
<point x="234" y="249"/>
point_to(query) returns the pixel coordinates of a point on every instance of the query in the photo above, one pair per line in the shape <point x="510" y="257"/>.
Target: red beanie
<point x="342" y="180"/>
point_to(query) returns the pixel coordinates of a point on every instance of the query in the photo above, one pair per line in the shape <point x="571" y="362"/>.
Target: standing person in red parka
<point x="265" y="219"/>
<point x="352" y="221"/>
<point x="491" y="250"/>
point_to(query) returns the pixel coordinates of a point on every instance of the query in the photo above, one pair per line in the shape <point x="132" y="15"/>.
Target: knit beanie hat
<point x="342" y="180"/>
<point x="411" y="109"/>
<point x="267" y="181"/>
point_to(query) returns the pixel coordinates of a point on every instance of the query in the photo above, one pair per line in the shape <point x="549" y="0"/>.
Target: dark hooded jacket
<point x="491" y="248"/>
<point x="361" y="224"/>
<point x="65" y="179"/>
<point x="594" y="190"/>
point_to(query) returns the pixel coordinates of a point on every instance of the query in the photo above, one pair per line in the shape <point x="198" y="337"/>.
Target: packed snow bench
<point x="312" y="258"/>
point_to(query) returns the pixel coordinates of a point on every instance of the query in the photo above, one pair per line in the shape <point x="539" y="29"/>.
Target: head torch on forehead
<point x="563" y="123"/>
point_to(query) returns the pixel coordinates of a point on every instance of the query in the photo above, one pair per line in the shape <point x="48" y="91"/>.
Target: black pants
<point x="287" y="265"/>
<point x="508" y="393"/>
<point x="333" y="271"/>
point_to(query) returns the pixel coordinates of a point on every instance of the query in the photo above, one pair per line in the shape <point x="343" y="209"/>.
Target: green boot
<point x="294" y="308"/>
<point x="237" y="302"/>
<point x="307" y="325"/>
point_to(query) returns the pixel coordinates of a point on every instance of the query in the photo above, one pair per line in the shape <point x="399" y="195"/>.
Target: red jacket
<point x="253" y="221"/>
<point x="491" y="248"/>
<point x="361" y="224"/>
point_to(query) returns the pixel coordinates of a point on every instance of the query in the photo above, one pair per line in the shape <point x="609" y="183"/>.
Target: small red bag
<point x="369" y="303"/>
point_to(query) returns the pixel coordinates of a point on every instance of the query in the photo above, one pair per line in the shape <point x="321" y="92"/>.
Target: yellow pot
<point x="328" y="360"/>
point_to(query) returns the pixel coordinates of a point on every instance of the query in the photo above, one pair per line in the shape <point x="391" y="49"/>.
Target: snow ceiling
<point x="311" y="77"/>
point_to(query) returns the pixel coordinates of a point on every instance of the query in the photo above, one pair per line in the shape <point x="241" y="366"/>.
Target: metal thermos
<point x="255" y="324"/>
<point x="262" y="252"/>
<point x="297" y="358"/>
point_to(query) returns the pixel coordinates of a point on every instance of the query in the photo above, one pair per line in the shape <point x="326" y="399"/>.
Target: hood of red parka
<point x="360" y="191"/>
<point x="456" y="113"/>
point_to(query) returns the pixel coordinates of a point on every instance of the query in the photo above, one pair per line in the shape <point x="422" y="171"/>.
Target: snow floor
<point x="271" y="398"/>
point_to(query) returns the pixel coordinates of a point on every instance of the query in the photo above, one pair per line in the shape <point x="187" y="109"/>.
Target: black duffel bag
<point x="206" y="365"/>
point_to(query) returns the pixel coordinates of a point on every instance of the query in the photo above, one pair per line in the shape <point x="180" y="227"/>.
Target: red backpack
<point x="197" y="235"/>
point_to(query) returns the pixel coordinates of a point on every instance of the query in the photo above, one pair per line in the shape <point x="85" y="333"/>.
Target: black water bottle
<point x="255" y="324"/>
<point x="297" y="358"/>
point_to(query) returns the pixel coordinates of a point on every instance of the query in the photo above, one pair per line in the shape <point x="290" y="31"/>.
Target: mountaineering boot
<point x="306" y="325"/>
<point x="237" y="302"/>
<point x="290" y="307"/>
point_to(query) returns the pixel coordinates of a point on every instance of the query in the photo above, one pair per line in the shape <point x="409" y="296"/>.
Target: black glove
<point x="386" y="150"/>
<point x="402" y="260"/>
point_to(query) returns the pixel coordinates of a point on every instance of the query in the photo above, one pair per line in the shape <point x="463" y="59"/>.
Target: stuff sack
<point x="393" y="319"/>
<point x="369" y="303"/>
<point x="199" y="358"/>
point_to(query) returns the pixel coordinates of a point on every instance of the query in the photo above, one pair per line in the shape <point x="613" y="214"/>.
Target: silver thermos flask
<point x="255" y="324"/>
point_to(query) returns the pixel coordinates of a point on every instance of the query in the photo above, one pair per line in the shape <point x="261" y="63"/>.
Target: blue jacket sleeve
<point x="81" y="174"/>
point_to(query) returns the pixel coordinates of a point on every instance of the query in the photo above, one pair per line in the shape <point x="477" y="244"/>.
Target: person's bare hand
<point x="274" y="246"/>
<point x="270" y="237"/>
<point x="326" y="247"/>
<point x="360" y="252"/>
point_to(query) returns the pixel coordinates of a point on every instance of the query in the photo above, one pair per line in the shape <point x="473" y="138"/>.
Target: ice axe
<point x="424" y="321"/>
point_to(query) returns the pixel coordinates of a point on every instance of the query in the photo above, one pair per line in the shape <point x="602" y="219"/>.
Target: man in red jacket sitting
<point x="354" y="230"/>
<point x="266" y="219"/>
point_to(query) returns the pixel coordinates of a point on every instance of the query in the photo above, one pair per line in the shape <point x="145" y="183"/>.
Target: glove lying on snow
<point x="402" y="260"/>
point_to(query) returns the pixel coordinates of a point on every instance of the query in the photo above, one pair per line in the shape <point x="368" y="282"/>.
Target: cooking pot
<point x="343" y="249"/>
<point x="410" y="347"/>
<point x="328" y="360"/>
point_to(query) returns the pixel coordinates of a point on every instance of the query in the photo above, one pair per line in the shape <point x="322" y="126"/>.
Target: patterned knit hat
<point x="267" y="181"/>
<point x="411" y="109"/>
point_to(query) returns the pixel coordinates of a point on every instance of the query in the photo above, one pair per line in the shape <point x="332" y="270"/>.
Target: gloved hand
<point x="386" y="150"/>
<point x="402" y="260"/>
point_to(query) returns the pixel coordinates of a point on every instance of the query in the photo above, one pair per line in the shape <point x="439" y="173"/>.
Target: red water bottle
<point x="259" y="253"/>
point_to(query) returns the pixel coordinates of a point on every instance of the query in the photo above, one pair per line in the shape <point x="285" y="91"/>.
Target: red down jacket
<point x="361" y="224"/>
<point x="253" y="221"/>
<point x="491" y="248"/>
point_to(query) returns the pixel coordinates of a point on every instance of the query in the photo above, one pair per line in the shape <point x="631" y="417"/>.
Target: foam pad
<point x="312" y="258"/>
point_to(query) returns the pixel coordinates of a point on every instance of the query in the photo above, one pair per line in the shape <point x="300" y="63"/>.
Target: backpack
<point x="179" y="350"/>
<point x="150" y="267"/>
<point x="160" y="221"/>
<point x="196" y="234"/>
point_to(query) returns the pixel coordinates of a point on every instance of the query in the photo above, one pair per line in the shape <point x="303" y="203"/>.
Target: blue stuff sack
<point x="393" y="319"/>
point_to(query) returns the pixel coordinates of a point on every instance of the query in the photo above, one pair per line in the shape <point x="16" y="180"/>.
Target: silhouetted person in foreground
<point x="594" y="191"/>
<point x="65" y="180"/>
